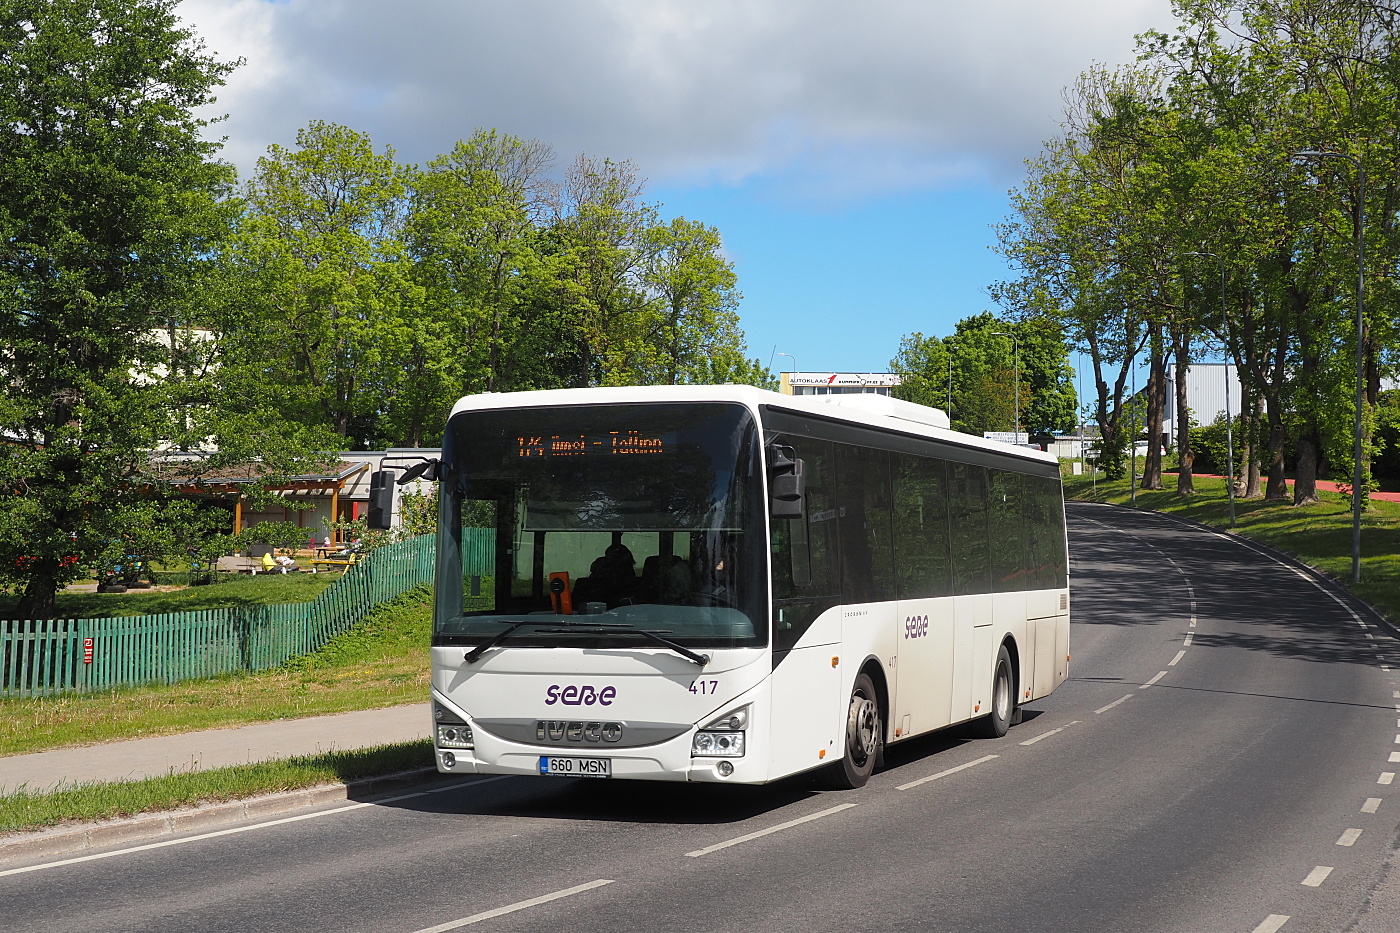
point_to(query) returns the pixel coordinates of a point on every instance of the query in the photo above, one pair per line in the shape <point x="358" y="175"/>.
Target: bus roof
<point x="870" y="410"/>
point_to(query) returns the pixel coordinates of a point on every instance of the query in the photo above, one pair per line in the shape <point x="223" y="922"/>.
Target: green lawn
<point x="235" y="591"/>
<point x="382" y="661"/>
<point x="22" y="811"/>
<point x="1320" y="535"/>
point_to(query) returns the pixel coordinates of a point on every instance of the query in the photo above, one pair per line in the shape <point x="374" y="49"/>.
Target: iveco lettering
<point x="723" y="584"/>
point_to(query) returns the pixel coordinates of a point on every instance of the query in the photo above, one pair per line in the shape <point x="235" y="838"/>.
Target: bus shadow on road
<point x="614" y="801"/>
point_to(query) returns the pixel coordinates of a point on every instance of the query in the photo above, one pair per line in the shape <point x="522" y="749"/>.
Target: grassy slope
<point x="383" y="661"/>
<point x="1318" y="534"/>
<point x="21" y="811"/>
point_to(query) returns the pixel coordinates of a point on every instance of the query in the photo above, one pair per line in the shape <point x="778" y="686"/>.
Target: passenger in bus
<point x="612" y="579"/>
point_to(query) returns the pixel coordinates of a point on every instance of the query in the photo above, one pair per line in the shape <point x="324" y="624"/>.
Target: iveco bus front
<point x="602" y="589"/>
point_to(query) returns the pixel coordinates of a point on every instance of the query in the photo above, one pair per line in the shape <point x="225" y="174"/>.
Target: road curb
<point x="66" y="840"/>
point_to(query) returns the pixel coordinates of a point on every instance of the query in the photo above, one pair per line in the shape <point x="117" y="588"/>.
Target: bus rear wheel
<point x="864" y="738"/>
<point x="1003" y="712"/>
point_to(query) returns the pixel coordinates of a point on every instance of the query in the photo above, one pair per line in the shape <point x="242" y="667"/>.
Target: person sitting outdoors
<point x="281" y="562"/>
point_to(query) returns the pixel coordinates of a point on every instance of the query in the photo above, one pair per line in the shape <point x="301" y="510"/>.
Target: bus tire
<point x="863" y="737"/>
<point x="1003" y="706"/>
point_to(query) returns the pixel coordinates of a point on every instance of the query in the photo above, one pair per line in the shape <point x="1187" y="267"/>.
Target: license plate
<point x="575" y="767"/>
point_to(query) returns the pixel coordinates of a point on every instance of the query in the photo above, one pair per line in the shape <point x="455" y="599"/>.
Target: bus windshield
<point x="585" y="522"/>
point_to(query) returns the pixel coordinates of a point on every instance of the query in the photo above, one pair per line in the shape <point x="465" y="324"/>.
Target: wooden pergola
<point x="231" y="481"/>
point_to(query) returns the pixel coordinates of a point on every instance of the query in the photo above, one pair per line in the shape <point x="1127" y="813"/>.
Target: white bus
<point x="724" y="584"/>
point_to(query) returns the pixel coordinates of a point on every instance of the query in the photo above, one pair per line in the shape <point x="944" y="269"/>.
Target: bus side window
<point x="1008" y="531"/>
<point x="801" y="552"/>
<point x="967" y="522"/>
<point x="921" y="527"/>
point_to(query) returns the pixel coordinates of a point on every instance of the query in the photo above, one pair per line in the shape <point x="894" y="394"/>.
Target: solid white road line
<point x="1160" y="675"/>
<point x="943" y="774"/>
<point x="1349" y="837"/>
<point x="764" y="832"/>
<point x="1273" y="922"/>
<point x="1104" y="709"/>
<point x="1317" y="876"/>
<point x="1179" y="655"/>
<point x="1371" y="805"/>
<point x="247" y="829"/>
<point x="512" y="908"/>
<point x="1387" y="777"/>
<point x="1046" y="735"/>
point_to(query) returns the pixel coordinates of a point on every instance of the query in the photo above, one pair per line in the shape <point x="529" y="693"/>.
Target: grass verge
<point x="22" y="811"/>
<point x="264" y="588"/>
<point x="1319" y="535"/>
<point x="382" y="661"/>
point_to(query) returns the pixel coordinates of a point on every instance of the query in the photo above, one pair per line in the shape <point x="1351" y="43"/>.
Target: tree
<point x="321" y="305"/>
<point x="108" y="199"/>
<point x="984" y="371"/>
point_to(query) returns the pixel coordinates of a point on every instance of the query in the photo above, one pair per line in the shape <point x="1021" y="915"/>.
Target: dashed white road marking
<point x="1395" y="756"/>
<point x="1104" y="709"/>
<point x="1387" y="777"/>
<point x="1046" y="735"/>
<point x="1187" y="642"/>
<point x="1160" y="675"/>
<point x="1272" y="924"/>
<point x="769" y="831"/>
<point x="1317" y="876"/>
<point x="512" y="908"/>
<point x="1179" y="655"/>
<point x="1370" y="636"/>
<point x="1371" y="805"/>
<point x="1349" y="837"/>
<point x="247" y="829"/>
<point x="943" y="774"/>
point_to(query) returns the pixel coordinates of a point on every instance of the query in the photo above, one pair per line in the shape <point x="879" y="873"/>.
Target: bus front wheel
<point x="1003" y="712"/>
<point x="864" y="737"/>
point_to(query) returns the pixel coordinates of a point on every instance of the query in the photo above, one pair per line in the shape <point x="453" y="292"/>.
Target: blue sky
<point x="837" y="286"/>
<point x="855" y="158"/>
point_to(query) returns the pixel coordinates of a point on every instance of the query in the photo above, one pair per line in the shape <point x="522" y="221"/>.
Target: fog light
<point x="717" y="745"/>
<point x="449" y="760"/>
<point x="724" y="768"/>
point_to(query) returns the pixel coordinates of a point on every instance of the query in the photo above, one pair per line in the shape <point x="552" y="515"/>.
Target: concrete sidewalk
<point x="136" y="759"/>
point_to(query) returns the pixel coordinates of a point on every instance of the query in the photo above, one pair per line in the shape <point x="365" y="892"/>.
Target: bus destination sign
<point x="612" y="444"/>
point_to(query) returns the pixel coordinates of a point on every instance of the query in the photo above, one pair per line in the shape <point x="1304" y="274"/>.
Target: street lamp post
<point x="1016" y="389"/>
<point x="1229" y="419"/>
<point x="1360" y="340"/>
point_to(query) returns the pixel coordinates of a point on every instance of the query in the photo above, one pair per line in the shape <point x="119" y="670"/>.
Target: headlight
<point x="451" y="735"/>
<point x="732" y="721"/>
<point x="717" y="745"/>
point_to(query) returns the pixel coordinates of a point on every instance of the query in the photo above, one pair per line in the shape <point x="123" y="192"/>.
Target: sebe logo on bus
<point x="574" y="695"/>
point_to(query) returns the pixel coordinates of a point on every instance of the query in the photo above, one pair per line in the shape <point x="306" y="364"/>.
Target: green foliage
<point x="1174" y="214"/>
<point x="984" y="369"/>
<point x="418" y="513"/>
<point x="107" y="200"/>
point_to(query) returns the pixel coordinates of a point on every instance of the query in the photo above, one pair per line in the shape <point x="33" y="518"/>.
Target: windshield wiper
<point x="471" y="656"/>
<point x="682" y="650"/>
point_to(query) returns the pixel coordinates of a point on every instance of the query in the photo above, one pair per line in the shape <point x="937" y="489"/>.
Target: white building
<point x="837" y="383"/>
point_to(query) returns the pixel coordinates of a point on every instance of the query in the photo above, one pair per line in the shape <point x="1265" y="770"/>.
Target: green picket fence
<point x="55" y="656"/>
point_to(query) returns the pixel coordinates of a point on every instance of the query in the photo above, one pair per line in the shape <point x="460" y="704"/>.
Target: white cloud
<point x="845" y="98"/>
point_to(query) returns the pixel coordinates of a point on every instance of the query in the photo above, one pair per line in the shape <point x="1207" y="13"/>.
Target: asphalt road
<point x="1219" y="761"/>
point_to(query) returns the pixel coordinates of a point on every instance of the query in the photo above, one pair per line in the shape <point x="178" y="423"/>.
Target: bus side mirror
<point x="381" y="500"/>
<point x="787" y="485"/>
<point x="423" y="469"/>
